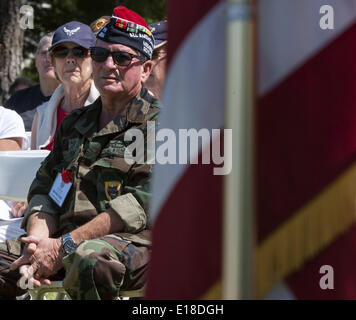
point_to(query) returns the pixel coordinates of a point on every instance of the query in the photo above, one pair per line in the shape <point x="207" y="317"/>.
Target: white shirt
<point x="11" y="125"/>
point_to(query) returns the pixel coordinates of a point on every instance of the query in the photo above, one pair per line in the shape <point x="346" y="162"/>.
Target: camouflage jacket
<point x="102" y="178"/>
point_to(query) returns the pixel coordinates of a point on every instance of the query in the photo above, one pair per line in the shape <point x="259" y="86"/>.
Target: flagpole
<point x="238" y="233"/>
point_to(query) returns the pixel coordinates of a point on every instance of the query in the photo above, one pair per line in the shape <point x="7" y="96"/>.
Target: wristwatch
<point x="68" y="244"/>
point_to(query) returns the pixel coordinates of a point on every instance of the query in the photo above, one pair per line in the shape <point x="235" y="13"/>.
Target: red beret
<point x="127" y="14"/>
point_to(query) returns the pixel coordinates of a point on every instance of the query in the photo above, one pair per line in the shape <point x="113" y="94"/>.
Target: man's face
<point x="156" y="79"/>
<point x="71" y="68"/>
<point x="110" y="78"/>
<point x="43" y="65"/>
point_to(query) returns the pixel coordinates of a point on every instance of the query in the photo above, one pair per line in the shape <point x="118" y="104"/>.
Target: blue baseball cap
<point x="159" y="31"/>
<point x="75" y="32"/>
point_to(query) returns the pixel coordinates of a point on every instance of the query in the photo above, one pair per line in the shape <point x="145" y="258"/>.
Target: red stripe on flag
<point x="183" y="16"/>
<point x="188" y="261"/>
<point x="306" y="132"/>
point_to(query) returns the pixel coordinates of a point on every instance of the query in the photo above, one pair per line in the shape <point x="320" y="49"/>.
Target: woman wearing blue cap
<point x="69" y="54"/>
<point x="70" y="57"/>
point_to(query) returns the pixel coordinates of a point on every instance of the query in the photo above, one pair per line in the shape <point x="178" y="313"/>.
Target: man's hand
<point x="25" y="258"/>
<point x="27" y="280"/>
<point x="25" y="268"/>
<point x="18" y="209"/>
<point x="45" y="261"/>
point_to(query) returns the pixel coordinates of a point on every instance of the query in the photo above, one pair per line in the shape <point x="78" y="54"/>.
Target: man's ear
<point x="146" y="70"/>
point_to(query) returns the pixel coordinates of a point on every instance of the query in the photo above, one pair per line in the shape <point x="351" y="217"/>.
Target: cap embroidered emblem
<point x="99" y="24"/>
<point x="70" y="32"/>
<point x="130" y="26"/>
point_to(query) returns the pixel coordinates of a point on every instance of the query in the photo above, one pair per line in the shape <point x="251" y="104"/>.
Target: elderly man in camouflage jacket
<point x="87" y="214"/>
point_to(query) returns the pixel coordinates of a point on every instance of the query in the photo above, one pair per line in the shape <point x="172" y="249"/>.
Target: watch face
<point x="69" y="246"/>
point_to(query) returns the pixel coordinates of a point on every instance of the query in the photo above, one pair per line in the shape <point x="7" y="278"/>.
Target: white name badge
<point x="59" y="190"/>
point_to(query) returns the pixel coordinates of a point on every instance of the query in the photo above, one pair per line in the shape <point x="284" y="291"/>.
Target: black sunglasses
<point x="62" y="52"/>
<point x="120" y="58"/>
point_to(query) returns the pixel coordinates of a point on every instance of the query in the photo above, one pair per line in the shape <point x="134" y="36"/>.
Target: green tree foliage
<point x="151" y="10"/>
<point x="49" y="15"/>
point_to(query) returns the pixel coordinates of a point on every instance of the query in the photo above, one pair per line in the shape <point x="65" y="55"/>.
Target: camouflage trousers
<point x="98" y="269"/>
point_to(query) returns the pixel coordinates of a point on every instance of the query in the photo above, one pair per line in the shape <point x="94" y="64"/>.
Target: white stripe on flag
<point x="289" y="34"/>
<point x="193" y="95"/>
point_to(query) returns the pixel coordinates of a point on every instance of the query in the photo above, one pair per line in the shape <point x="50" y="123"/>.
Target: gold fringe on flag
<point x="214" y="292"/>
<point x="306" y="233"/>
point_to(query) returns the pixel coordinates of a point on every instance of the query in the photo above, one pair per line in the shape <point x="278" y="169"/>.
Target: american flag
<point x="305" y="152"/>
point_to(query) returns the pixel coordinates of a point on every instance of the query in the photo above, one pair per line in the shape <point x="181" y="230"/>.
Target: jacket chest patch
<point x="112" y="189"/>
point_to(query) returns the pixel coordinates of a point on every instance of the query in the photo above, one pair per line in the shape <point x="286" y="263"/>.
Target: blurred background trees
<point x="48" y="16"/>
<point x="11" y="42"/>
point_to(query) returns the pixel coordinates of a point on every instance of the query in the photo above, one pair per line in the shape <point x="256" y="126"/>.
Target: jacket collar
<point x="139" y="107"/>
<point x="135" y="115"/>
<point x="88" y="125"/>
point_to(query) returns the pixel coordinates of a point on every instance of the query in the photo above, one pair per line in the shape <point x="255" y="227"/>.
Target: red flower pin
<point x="67" y="176"/>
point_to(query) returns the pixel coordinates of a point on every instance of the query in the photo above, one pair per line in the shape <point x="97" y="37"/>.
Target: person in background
<point x="99" y="23"/>
<point x="12" y="130"/>
<point x="25" y="101"/>
<point x="12" y="138"/>
<point x="69" y="55"/>
<point x="19" y="84"/>
<point x="70" y="58"/>
<point x="155" y="82"/>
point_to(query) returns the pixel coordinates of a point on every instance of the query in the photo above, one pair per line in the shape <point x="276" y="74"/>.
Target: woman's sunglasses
<point x="62" y="52"/>
<point x="120" y="58"/>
